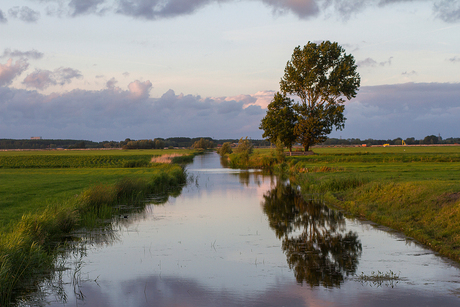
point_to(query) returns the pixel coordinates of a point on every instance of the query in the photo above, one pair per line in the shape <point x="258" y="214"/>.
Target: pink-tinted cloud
<point x="140" y="89"/>
<point x="11" y="70"/>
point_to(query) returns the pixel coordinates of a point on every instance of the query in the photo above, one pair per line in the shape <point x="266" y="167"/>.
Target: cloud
<point x="303" y="9"/>
<point x="154" y="9"/>
<point x="379" y="112"/>
<point x="117" y="114"/>
<point x="409" y="73"/>
<point x="2" y="17"/>
<point x="447" y="10"/>
<point x="140" y="89"/>
<point x="367" y="63"/>
<point x="80" y="7"/>
<point x="454" y="59"/>
<point x="24" y="13"/>
<point x="41" y="79"/>
<point x="111" y="83"/>
<point x="346" y="8"/>
<point x="386" y="62"/>
<point x="32" y="54"/>
<point x="11" y="70"/>
<point x="403" y="110"/>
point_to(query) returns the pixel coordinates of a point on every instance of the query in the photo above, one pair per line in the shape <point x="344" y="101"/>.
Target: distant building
<point x="36" y="138"/>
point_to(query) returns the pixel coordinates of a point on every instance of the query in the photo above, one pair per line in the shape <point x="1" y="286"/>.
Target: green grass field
<point x="31" y="180"/>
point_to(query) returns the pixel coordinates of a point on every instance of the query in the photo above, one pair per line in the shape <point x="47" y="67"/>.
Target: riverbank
<point x="415" y="190"/>
<point x="41" y="206"/>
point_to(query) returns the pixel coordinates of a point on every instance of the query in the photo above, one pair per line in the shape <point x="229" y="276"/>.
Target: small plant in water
<point x="378" y="279"/>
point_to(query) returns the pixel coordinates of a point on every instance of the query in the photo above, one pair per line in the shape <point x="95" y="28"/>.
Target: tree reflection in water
<point x="317" y="247"/>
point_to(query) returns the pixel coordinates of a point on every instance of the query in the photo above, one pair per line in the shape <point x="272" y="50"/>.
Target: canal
<point x="239" y="238"/>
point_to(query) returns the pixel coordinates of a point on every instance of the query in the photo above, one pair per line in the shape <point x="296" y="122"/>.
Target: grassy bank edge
<point x="27" y="249"/>
<point x="427" y="211"/>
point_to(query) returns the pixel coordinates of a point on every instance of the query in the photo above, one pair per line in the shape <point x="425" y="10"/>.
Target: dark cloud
<point x="385" y="2"/>
<point x="113" y="113"/>
<point x="409" y="73"/>
<point x="41" y="79"/>
<point x="2" y="17"/>
<point x="303" y="9"/>
<point x="80" y="7"/>
<point x="10" y="70"/>
<point x="346" y="8"/>
<point x="111" y="83"/>
<point x="403" y="110"/>
<point x="379" y="112"/>
<point x="64" y="75"/>
<point x="32" y="54"/>
<point x="24" y="13"/>
<point x="454" y="59"/>
<point x="154" y="9"/>
<point x="447" y="10"/>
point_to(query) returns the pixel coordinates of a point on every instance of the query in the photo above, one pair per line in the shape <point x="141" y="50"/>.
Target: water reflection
<point x="314" y="239"/>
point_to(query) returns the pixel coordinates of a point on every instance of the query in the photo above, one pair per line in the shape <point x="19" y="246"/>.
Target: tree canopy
<point x="280" y="121"/>
<point x="322" y="76"/>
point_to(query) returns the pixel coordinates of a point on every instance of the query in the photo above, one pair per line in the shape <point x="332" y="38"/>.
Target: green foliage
<point x="280" y="121"/>
<point x="321" y="76"/>
<point x="203" y="144"/>
<point x="240" y="156"/>
<point x="280" y="156"/>
<point x="430" y="139"/>
<point x="225" y="149"/>
<point x="244" y="147"/>
<point x="145" y="144"/>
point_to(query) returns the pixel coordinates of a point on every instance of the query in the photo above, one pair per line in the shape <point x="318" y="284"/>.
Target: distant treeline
<point x="185" y="142"/>
<point x="430" y="139"/>
<point x="157" y="143"/>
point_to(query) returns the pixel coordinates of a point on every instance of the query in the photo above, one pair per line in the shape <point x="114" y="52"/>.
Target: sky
<point x="140" y="69"/>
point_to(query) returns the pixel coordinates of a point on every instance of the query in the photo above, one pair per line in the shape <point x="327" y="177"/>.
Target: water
<point x="237" y="238"/>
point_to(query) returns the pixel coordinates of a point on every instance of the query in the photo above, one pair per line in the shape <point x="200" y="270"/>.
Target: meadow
<point x="413" y="189"/>
<point x="45" y="195"/>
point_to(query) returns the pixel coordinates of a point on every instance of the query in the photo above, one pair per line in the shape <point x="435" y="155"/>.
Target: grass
<point x="82" y="158"/>
<point x="415" y="190"/>
<point x="39" y="206"/>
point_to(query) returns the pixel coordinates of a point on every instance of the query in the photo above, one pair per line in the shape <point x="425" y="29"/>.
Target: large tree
<point x="280" y="121"/>
<point x="322" y="76"/>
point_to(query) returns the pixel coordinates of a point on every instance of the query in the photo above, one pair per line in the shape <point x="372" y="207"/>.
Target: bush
<point x="225" y="149"/>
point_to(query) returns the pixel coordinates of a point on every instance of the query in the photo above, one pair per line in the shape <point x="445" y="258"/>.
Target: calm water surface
<point x="237" y="238"/>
